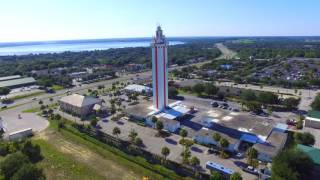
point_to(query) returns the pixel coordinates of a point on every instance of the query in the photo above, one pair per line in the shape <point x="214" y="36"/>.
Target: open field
<point x="68" y="156"/>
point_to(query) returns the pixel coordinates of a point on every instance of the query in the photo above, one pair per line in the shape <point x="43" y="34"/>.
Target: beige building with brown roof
<point x="79" y="105"/>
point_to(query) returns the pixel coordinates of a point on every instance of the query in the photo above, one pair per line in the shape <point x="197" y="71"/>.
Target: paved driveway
<point x="28" y="120"/>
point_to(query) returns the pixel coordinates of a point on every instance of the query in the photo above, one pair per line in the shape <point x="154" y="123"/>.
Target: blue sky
<point x="28" y="20"/>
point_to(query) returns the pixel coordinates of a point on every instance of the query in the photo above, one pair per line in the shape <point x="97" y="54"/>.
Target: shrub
<point x="305" y="138"/>
<point x="186" y="142"/>
<point x="12" y="163"/>
<point x="28" y="171"/>
<point x="32" y="151"/>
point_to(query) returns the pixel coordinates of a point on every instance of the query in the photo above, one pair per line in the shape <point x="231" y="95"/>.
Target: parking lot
<point x="154" y="145"/>
<point x="12" y="122"/>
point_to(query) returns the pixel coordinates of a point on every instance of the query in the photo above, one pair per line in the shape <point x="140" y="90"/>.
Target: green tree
<point x="252" y="154"/>
<point x="215" y="176"/>
<point x="291" y="103"/>
<point x="305" y="138"/>
<point x="248" y="95"/>
<point x="216" y="137"/>
<point x="12" y="163"/>
<point x="138" y="141"/>
<point x="32" y="151"/>
<point x="94" y="122"/>
<point x="28" y="171"/>
<point x="159" y="126"/>
<point x="195" y="162"/>
<point x="4" y="91"/>
<point x="132" y="135"/>
<point x="57" y="116"/>
<point x="268" y="98"/>
<point x="316" y="103"/>
<point x="172" y="92"/>
<point x="210" y="89"/>
<point x="236" y="176"/>
<point x="186" y="154"/>
<point x="291" y="164"/>
<point x="183" y="133"/>
<point x="116" y="131"/>
<point x="198" y="88"/>
<point x="224" y="143"/>
<point x="165" y="151"/>
<point x="154" y="119"/>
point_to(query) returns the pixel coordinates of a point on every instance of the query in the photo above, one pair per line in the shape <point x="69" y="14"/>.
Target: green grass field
<point x="58" y="165"/>
<point x="69" y="156"/>
<point x="57" y="87"/>
<point x="27" y="95"/>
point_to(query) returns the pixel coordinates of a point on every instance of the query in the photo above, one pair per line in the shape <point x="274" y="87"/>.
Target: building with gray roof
<point x="20" y="82"/>
<point x="79" y="105"/>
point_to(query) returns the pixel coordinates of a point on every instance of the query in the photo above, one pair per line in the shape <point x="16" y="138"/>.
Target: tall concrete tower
<point x="159" y="46"/>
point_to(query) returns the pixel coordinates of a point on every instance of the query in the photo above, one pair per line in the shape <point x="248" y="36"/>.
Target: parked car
<point x="291" y="122"/>
<point x="214" y="104"/>
<point x="213" y="151"/>
<point x="239" y="155"/>
<point x="235" y="110"/>
<point x="251" y="170"/>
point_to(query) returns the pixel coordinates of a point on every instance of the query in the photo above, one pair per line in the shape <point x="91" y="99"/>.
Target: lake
<point x="40" y="47"/>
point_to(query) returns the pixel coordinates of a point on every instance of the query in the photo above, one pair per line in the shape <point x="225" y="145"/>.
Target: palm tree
<point x="154" y="119"/>
<point x="194" y="162"/>
<point x="165" y="151"/>
<point x="185" y="155"/>
<point x="116" y="131"/>
<point x="183" y="133"/>
<point x="138" y="141"/>
<point x="159" y="126"/>
<point x="216" y="137"/>
<point x="252" y="154"/>
<point x="215" y="176"/>
<point x="132" y="135"/>
<point x="236" y="176"/>
<point x="224" y="144"/>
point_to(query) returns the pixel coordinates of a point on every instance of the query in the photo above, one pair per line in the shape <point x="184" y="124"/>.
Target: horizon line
<point x="169" y="37"/>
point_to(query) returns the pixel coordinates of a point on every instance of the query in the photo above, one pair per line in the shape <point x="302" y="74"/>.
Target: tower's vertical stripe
<point x="164" y="77"/>
<point x="156" y="56"/>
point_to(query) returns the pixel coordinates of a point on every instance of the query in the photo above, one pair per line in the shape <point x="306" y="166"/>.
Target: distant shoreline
<point x="44" y="47"/>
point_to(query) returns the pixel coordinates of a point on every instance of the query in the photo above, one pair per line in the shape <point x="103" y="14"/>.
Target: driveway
<point x="13" y="123"/>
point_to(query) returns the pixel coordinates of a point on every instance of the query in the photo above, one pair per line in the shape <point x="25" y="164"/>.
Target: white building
<point x="138" y="88"/>
<point x="204" y="136"/>
<point x="159" y="70"/>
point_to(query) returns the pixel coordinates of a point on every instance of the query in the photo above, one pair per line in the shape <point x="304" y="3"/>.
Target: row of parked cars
<point x="223" y="105"/>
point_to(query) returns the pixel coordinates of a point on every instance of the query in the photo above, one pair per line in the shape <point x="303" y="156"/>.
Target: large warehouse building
<point x="16" y="81"/>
